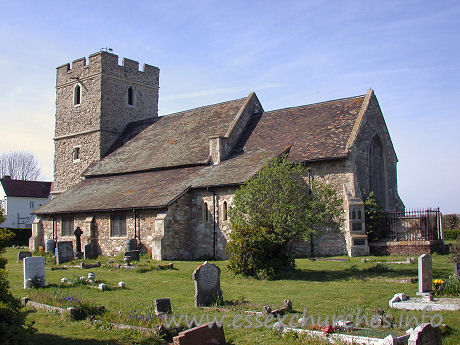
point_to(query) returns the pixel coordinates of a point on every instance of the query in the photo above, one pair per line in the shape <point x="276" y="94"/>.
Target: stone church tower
<point x="94" y="103"/>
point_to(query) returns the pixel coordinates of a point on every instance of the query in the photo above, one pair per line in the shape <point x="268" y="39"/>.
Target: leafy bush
<point x="271" y="211"/>
<point x="21" y="237"/>
<point x="451" y="234"/>
<point x="13" y="328"/>
<point x="375" y="215"/>
<point x="455" y="251"/>
<point x="450" y="221"/>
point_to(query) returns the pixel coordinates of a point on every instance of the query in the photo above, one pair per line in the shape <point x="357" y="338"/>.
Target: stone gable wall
<point x="374" y="124"/>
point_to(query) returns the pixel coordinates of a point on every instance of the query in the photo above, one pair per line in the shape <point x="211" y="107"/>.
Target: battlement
<point x="107" y="63"/>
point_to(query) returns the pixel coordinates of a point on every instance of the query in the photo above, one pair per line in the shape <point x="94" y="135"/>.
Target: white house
<point x="19" y="198"/>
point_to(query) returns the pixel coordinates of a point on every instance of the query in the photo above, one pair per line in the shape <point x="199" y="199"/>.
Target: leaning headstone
<point x="22" y="255"/>
<point x="162" y="306"/>
<point x="425" y="277"/>
<point x="64" y="252"/>
<point x="425" y="334"/>
<point x="34" y="271"/>
<point x="206" y="334"/>
<point x="90" y="251"/>
<point x="207" y="284"/>
<point x="456" y="271"/>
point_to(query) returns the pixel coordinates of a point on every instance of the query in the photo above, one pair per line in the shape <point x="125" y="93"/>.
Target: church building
<point x="123" y="172"/>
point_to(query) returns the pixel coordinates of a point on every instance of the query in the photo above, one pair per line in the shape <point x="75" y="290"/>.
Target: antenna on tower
<point x="106" y="49"/>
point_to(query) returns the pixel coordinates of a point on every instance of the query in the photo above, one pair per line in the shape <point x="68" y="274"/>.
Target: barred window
<point x="67" y="226"/>
<point x="118" y="226"/>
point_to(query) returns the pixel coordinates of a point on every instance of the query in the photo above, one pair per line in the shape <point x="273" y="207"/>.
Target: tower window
<point x="76" y="154"/>
<point x="77" y="95"/>
<point x="130" y="96"/>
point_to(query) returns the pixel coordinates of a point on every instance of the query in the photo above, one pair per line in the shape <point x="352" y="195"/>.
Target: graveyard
<point x="117" y="294"/>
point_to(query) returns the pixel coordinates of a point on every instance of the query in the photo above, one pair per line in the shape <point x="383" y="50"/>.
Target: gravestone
<point x="207" y="284"/>
<point x="425" y="277"/>
<point x="425" y="334"/>
<point x="456" y="272"/>
<point x="22" y="255"/>
<point x="162" y="306"/>
<point x="133" y="255"/>
<point x="203" y="335"/>
<point x="64" y="251"/>
<point x="90" y="251"/>
<point x="34" y="271"/>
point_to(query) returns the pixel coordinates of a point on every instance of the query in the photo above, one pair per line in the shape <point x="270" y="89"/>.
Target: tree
<point x="271" y="211"/>
<point x="375" y="216"/>
<point x="13" y="328"/>
<point x="20" y="165"/>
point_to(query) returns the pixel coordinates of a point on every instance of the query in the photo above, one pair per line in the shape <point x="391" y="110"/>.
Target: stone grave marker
<point x="425" y="334"/>
<point x="425" y="277"/>
<point x="203" y="335"/>
<point x="90" y="251"/>
<point x="456" y="271"/>
<point x="162" y="306"/>
<point x="64" y="251"/>
<point x="207" y="284"/>
<point x="133" y="255"/>
<point x="22" y="255"/>
<point x="34" y="271"/>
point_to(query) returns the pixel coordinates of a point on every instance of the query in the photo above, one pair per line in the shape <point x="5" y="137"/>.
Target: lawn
<point x="323" y="288"/>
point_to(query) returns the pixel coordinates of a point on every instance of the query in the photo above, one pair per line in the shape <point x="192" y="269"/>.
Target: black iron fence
<point x="407" y="225"/>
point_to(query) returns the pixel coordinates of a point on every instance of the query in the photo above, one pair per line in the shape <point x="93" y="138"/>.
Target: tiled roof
<point x="314" y="132"/>
<point x="31" y="189"/>
<point x="154" y="189"/>
<point x="179" y="139"/>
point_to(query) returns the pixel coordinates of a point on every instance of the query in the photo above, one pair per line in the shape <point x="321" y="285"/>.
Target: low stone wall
<point x="406" y="247"/>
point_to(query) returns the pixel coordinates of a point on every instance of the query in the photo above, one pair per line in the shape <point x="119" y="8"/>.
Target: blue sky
<point x="290" y="53"/>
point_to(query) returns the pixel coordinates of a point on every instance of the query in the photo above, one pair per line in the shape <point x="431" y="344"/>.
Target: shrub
<point x="375" y="215"/>
<point x="451" y="234"/>
<point x="13" y="328"/>
<point x="450" y="221"/>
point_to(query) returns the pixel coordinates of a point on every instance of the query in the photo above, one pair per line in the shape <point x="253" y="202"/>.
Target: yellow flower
<point x="438" y="281"/>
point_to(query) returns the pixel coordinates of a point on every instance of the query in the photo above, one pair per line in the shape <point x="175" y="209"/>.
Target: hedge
<point x="451" y="234"/>
<point x="21" y="237"/>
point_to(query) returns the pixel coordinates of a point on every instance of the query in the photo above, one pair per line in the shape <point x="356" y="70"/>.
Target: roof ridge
<point x="309" y="105"/>
<point x="201" y="107"/>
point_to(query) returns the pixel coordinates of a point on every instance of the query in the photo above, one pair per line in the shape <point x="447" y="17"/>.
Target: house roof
<point x="314" y="132"/>
<point x="31" y="189"/>
<point x="153" y="189"/>
<point x="180" y="139"/>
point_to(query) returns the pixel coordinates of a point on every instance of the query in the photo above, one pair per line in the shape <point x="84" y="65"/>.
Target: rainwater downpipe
<point x="54" y="231"/>
<point x="135" y="224"/>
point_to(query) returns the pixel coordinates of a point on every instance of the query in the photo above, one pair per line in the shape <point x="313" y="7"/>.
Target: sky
<point x="289" y="52"/>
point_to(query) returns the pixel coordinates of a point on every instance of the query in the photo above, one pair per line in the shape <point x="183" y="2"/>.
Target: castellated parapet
<point x="94" y="103"/>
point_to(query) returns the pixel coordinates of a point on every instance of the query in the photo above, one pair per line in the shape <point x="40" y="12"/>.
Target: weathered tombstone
<point x="202" y="335"/>
<point x="456" y="272"/>
<point x="34" y="271"/>
<point x="425" y="334"/>
<point x="207" y="284"/>
<point x="162" y="306"/>
<point x="22" y="255"/>
<point x="133" y="255"/>
<point x="425" y="277"/>
<point x="50" y="246"/>
<point x="90" y="251"/>
<point x="64" y="251"/>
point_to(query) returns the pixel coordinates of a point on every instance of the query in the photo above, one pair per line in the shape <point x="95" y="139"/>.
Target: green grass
<point x="324" y="288"/>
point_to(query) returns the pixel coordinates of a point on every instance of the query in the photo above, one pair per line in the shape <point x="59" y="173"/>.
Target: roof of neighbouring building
<point x="31" y="189"/>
